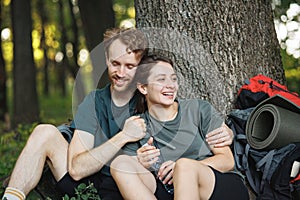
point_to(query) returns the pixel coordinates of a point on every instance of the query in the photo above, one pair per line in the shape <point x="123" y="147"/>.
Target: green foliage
<point x="56" y="109"/>
<point x="292" y="71"/>
<point x="11" y="144"/>
<point x="84" y="192"/>
<point x="124" y="10"/>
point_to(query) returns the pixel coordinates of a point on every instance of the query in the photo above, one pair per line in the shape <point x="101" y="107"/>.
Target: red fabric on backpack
<point x="261" y="87"/>
<point x="297" y="178"/>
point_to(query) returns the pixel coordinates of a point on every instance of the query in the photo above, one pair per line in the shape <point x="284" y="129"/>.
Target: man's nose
<point x="121" y="71"/>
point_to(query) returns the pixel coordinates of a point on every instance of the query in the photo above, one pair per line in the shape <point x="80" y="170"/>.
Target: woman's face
<point x="162" y="85"/>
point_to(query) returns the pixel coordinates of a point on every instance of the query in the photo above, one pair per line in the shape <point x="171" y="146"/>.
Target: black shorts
<point x="161" y="192"/>
<point x="105" y="185"/>
<point x="229" y="186"/>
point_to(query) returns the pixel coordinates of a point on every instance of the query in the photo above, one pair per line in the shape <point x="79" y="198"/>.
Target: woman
<point x="176" y="135"/>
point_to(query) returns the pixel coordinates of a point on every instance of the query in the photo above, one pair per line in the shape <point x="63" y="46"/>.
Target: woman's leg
<point x="133" y="180"/>
<point x="192" y="180"/>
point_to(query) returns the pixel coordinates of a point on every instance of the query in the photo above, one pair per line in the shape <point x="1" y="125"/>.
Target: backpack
<point x="267" y="172"/>
<point x="259" y="88"/>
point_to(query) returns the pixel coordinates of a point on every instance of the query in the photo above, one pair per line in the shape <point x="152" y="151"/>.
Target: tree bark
<point x="26" y="109"/>
<point x="216" y="45"/>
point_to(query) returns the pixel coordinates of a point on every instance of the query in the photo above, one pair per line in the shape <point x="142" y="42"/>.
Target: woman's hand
<point x="166" y="171"/>
<point x="220" y="137"/>
<point x="148" y="154"/>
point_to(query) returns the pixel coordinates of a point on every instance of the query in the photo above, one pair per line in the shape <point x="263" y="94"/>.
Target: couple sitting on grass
<point x="135" y="144"/>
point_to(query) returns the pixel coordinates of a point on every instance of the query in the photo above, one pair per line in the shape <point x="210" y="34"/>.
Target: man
<point x="124" y="49"/>
<point x="100" y="129"/>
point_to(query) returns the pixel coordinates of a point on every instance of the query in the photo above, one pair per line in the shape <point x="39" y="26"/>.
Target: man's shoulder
<point x="102" y="93"/>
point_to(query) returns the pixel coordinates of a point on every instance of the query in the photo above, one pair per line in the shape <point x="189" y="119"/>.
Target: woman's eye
<point x="130" y="66"/>
<point x="160" y="79"/>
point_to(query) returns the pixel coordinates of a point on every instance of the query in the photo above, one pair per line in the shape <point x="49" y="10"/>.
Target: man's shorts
<point x="105" y="185"/>
<point x="66" y="130"/>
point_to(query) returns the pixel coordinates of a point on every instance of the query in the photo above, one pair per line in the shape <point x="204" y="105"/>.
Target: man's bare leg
<point x="45" y="142"/>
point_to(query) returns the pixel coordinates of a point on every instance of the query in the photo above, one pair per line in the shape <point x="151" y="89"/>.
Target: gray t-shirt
<point x="186" y="133"/>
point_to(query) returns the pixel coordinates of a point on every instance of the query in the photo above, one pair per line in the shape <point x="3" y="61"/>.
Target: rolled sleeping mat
<point x="274" y="123"/>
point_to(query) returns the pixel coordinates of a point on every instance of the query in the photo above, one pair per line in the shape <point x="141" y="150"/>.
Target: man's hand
<point x="220" y="137"/>
<point x="134" y="128"/>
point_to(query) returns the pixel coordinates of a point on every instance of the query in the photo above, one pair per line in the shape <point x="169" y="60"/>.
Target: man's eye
<point x="114" y="64"/>
<point x="161" y="79"/>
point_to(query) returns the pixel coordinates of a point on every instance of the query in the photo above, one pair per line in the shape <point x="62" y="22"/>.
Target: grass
<point x="54" y="109"/>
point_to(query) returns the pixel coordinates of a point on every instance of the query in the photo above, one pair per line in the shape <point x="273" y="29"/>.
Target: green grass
<point x="54" y="109"/>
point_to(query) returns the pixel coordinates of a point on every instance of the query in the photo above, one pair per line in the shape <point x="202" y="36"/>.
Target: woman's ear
<point x="142" y="88"/>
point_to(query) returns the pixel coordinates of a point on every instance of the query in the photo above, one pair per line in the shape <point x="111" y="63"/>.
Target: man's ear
<point x="106" y="60"/>
<point x="142" y="88"/>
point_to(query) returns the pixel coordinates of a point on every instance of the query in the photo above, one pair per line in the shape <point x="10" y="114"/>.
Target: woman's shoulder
<point x="194" y="102"/>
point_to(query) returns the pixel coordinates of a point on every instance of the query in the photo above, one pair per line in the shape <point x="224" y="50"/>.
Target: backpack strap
<point x="252" y="178"/>
<point x="239" y="151"/>
<point x="265" y="161"/>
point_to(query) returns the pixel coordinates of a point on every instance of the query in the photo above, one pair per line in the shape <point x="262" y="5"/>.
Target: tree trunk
<point x="74" y="67"/>
<point x="96" y="16"/>
<point x="216" y="45"/>
<point x="26" y="109"/>
<point x="3" y="102"/>
<point x="61" y="67"/>
<point x="43" y="15"/>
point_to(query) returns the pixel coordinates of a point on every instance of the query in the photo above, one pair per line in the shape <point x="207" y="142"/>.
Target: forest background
<point x="61" y="47"/>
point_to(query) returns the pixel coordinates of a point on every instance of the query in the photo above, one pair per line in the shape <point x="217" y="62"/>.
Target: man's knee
<point x="44" y="131"/>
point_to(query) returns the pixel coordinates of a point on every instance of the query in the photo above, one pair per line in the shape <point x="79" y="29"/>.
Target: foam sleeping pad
<point x="273" y="123"/>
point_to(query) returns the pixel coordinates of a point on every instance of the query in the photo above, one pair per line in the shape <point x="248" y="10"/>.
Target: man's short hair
<point x="134" y="39"/>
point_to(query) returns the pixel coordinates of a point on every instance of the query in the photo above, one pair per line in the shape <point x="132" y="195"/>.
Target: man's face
<point x="121" y="66"/>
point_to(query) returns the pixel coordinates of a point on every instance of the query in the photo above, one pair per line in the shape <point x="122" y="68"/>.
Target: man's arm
<point x="220" y="137"/>
<point x="222" y="159"/>
<point x="84" y="159"/>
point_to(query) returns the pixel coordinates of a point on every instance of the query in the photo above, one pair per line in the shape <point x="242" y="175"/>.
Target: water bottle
<point x="155" y="167"/>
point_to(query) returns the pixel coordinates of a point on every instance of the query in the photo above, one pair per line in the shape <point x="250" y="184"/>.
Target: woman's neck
<point x="162" y="113"/>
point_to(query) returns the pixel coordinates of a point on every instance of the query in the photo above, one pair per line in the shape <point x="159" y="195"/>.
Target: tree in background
<point x="97" y="17"/>
<point x="216" y="44"/>
<point x="3" y="102"/>
<point x="42" y="11"/>
<point x="26" y="108"/>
